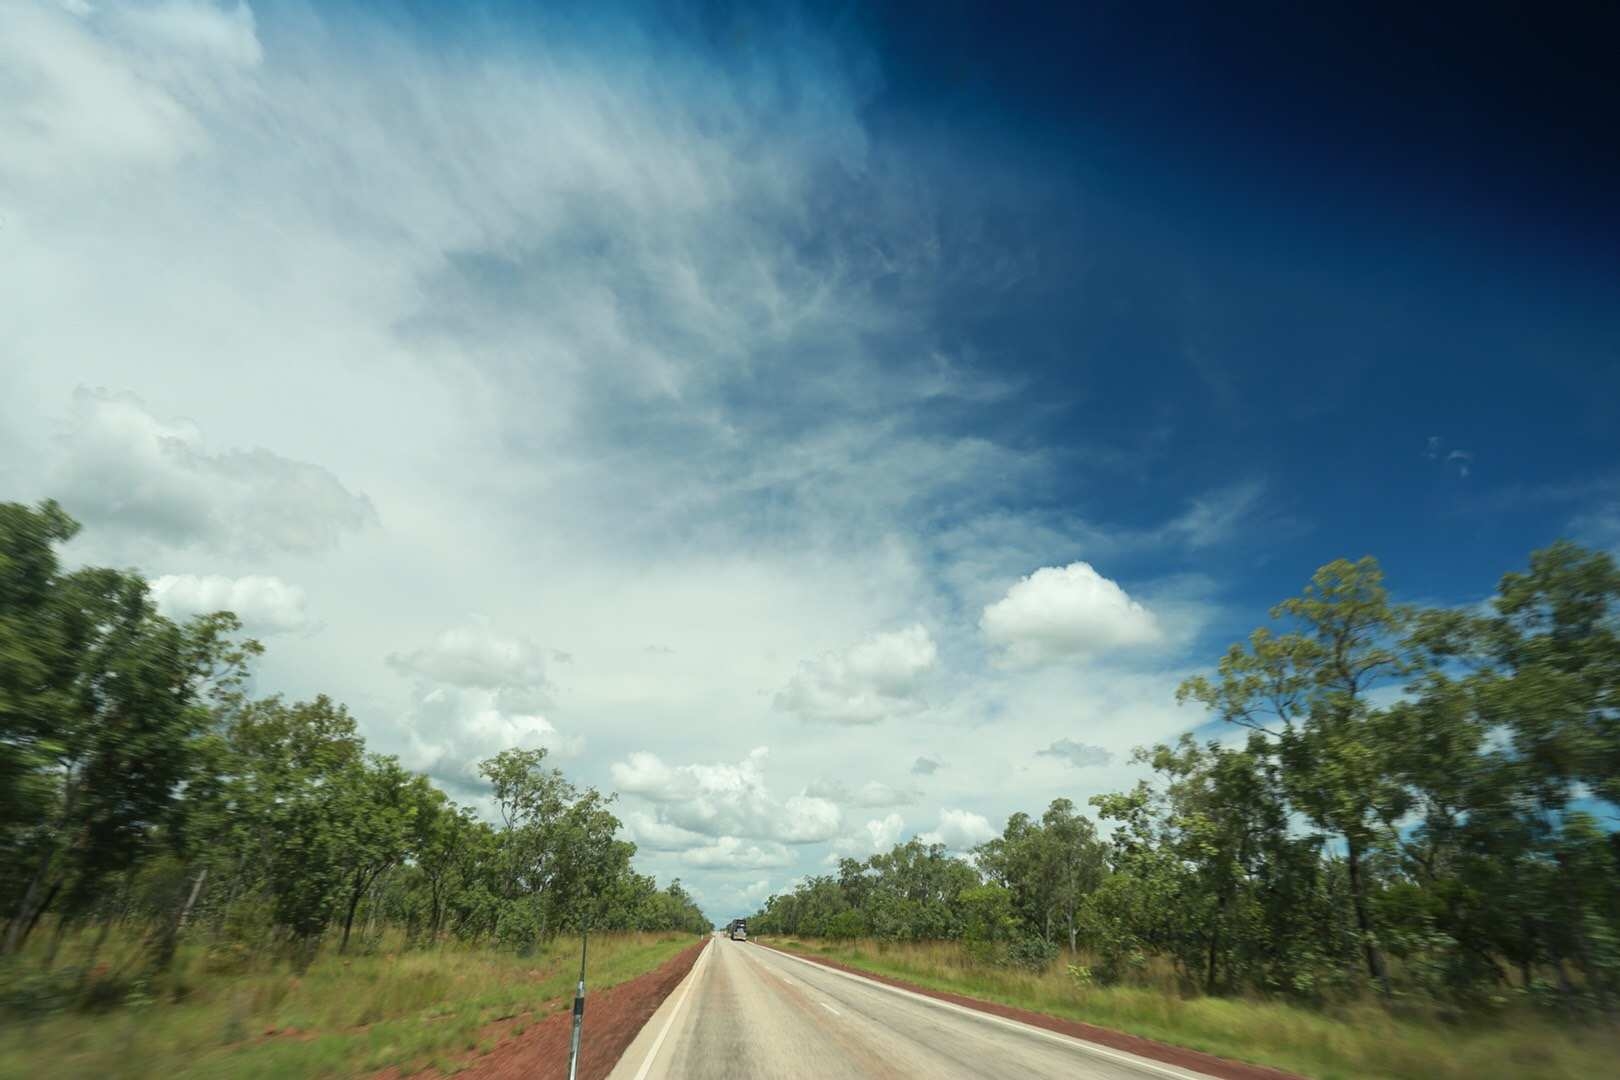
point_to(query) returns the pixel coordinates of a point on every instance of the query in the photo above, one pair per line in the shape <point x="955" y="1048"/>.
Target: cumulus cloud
<point x="878" y="678"/>
<point x="873" y="794"/>
<point x="451" y="729"/>
<point x="570" y="291"/>
<point x="266" y="605"/>
<point x="883" y="833"/>
<point x="959" y="830"/>
<point x="654" y="835"/>
<point x="926" y="766"/>
<point x="477" y="656"/>
<point x="1078" y="754"/>
<point x="732" y="853"/>
<point x="1066" y="612"/>
<point x="475" y="692"/>
<point x="123" y="470"/>
<point x="875" y="836"/>
<point x="725" y="799"/>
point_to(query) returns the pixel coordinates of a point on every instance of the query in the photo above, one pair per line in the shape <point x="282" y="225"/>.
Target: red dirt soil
<point x="1196" y="1060"/>
<point x="612" y="1019"/>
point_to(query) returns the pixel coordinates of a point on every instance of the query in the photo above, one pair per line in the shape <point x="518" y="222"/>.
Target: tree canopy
<point x="138" y="779"/>
<point x="1419" y="802"/>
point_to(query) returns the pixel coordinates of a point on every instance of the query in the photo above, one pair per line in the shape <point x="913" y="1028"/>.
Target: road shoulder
<point x="1179" y="1056"/>
<point x="613" y="1016"/>
<point x="637" y="1057"/>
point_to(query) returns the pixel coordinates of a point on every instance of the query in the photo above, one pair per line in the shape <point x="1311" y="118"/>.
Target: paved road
<point x="746" y="1012"/>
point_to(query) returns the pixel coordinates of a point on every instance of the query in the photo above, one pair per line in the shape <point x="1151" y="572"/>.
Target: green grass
<point x="1357" y="1042"/>
<point x="344" y="1016"/>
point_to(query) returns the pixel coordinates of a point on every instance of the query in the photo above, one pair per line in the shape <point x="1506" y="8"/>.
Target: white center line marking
<point x="829" y="1008"/>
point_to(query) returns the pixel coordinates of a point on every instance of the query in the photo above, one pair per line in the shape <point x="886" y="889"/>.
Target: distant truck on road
<point x="737" y="930"/>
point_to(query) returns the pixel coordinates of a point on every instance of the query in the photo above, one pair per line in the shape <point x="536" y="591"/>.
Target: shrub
<point x="1031" y="953"/>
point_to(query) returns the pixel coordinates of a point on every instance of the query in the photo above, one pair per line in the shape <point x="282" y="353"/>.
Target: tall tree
<point x="114" y="685"/>
<point x="1307" y="689"/>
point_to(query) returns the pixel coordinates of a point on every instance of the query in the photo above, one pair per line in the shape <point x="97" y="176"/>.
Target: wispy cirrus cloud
<point x="619" y="338"/>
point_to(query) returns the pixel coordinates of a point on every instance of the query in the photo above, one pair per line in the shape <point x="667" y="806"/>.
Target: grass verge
<point x="344" y="1016"/>
<point x="1357" y="1042"/>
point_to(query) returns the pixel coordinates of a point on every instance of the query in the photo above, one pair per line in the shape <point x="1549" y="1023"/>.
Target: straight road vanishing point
<point x="751" y="1013"/>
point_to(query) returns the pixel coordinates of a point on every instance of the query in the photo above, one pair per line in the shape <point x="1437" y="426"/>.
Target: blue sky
<point x="821" y="425"/>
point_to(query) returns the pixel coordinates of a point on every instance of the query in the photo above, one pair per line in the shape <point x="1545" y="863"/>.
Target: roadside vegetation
<point x="188" y="864"/>
<point x="1410" y="841"/>
<point x="1349" y="1040"/>
<point x="218" y="1012"/>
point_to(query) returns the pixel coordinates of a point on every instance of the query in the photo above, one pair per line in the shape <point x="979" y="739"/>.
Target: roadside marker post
<point x="579" y="1007"/>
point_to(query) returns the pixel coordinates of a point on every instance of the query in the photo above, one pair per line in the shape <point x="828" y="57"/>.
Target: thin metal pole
<point x="579" y="1007"/>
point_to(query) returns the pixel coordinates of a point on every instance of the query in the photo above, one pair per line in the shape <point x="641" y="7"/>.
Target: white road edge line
<point x="641" y="1073"/>
<point x="1142" y="1063"/>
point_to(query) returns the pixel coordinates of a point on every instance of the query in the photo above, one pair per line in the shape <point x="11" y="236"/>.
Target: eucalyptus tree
<point x="1306" y="691"/>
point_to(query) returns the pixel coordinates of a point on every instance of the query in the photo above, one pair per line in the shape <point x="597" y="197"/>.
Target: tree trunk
<point x="191" y="901"/>
<point x="1527" y="957"/>
<point x="1577" y="926"/>
<point x="169" y="938"/>
<point x="1375" y="958"/>
<point x="1215" y="941"/>
<point x="29" y="909"/>
<point x="31" y="905"/>
<point x="348" y="918"/>
<point x="44" y="906"/>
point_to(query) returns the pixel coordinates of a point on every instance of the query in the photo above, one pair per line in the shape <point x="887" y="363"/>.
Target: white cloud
<point x="731" y="853"/>
<point x="959" y="830"/>
<point x="475" y="692"/>
<point x="650" y="833"/>
<point x="873" y="794"/>
<point x="1065" y="613"/>
<point x="266" y="605"/>
<point x="121" y="469"/>
<point x="805" y="819"/>
<point x="726" y="799"/>
<point x="1599" y="527"/>
<point x="828" y="788"/>
<point x="875" y="836"/>
<point x="526" y="304"/>
<point x="1217" y="516"/>
<point x="878" y="678"/>
<point x="752" y="894"/>
<point x="450" y="729"/>
<point x="476" y="655"/>
<point x="883" y="833"/>
<point x="1078" y="754"/>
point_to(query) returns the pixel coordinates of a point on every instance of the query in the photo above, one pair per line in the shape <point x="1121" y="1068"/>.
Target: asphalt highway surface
<point x="746" y="1012"/>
